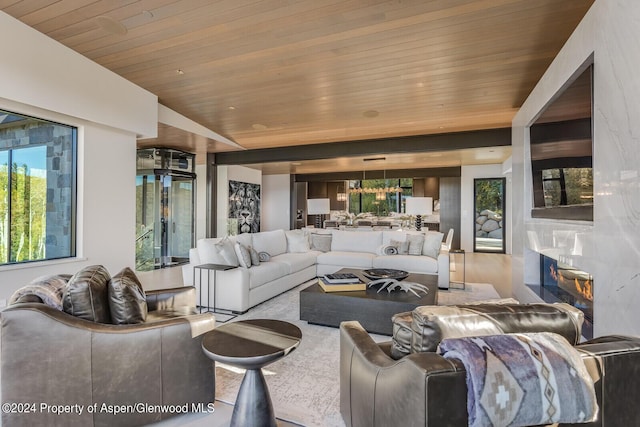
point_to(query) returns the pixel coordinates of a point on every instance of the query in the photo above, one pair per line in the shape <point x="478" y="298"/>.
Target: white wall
<point x="44" y="79"/>
<point x="201" y="201"/>
<point x="276" y="202"/>
<point x="610" y="32"/>
<point x="226" y="174"/>
<point x="467" y="216"/>
<point x="38" y="71"/>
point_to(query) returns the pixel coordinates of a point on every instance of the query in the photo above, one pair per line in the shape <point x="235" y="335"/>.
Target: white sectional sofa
<point x="296" y="256"/>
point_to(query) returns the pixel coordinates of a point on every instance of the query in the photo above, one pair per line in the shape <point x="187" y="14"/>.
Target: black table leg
<point x="253" y="405"/>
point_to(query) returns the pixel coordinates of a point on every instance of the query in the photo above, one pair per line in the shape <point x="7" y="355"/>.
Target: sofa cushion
<point x="297" y="241"/>
<point x="412" y="263"/>
<point x="127" y="301"/>
<point x="347" y="259"/>
<point x="273" y="242"/>
<point x="266" y="272"/>
<point x="217" y="251"/>
<point x="243" y="254"/>
<point x="86" y="295"/>
<point x="348" y="241"/>
<point x="321" y="242"/>
<point x="297" y="261"/>
<point x="48" y="289"/>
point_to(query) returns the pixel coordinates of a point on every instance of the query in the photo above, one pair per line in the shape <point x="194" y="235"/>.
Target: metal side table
<point x="454" y="255"/>
<point x="208" y="268"/>
<point x="252" y="344"/>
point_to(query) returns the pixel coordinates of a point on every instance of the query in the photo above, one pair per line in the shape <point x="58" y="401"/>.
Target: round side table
<point x="252" y="344"/>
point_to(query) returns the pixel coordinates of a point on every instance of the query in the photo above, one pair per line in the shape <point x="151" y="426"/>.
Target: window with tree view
<point x="37" y="189"/>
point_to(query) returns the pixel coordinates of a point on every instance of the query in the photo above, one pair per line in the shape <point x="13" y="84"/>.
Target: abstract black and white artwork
<point x="244" y="206"/>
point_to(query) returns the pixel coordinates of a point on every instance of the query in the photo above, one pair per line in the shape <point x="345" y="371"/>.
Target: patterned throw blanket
<point x="523" y="380"/>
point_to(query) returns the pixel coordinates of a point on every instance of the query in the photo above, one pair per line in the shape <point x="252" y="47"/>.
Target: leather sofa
<point x="51" y="357"/>
<point x="425" y="389"/>
<point x="241" y="288"/>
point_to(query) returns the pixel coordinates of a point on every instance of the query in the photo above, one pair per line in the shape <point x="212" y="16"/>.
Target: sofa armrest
<point x="614" y="364"/>
<point x="163" y="299"/>
<point x="443" y="269"/>
<point x="420" y="389"/>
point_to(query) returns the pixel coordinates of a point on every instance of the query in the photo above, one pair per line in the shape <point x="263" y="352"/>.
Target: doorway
<point x="489" y="208"/>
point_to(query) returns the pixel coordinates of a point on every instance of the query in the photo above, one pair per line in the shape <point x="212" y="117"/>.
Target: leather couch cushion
<point x="402" y="333"/>
<point x="432" y="324"/>
<point x="45" y="289"/>
<point x="127" y="301"/>
<point x="86" y="295"/>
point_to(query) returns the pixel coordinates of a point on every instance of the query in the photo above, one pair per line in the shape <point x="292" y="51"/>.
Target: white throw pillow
<point x="217" y="251"/>
<point x="297" y="241"/>
<point x="243" y="254"/>
<point x="432" y="243"/>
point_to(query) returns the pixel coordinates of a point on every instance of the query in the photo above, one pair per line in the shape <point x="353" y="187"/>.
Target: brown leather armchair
<point x="52" y="358"/>
<point x="425" y="389"/>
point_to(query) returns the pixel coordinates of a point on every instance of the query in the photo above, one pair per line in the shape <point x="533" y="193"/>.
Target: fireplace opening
<point x="563" y="283"/>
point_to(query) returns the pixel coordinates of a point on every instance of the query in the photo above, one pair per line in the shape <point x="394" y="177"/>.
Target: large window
<point x="37" y="189"/>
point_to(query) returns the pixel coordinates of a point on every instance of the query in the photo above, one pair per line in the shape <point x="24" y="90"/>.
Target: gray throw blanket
<point x="523" y="379"/>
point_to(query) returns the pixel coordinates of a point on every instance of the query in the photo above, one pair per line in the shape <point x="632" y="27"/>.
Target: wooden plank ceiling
<point x="277" y="73"/>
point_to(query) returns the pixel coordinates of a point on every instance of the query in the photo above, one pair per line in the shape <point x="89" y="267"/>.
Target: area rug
<point x="305" y="385"/>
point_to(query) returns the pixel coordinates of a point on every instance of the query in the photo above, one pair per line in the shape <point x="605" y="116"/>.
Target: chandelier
<point x="380" y="192"/>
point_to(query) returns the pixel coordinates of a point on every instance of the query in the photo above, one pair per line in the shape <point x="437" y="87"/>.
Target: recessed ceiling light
<point x="258" y="126"/>
<point x="231" y="107"/>
<point x="110" y="25"/>
<point x="296" y="163"/>
<point x="179" y="72"/>
<point x="420" y="84"/>
<point x="371" y="113"/>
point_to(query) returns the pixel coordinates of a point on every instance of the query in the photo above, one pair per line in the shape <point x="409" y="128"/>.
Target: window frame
<point x="73" y="189"/>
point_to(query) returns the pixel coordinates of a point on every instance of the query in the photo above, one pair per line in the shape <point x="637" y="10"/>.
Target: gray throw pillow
<point x="127" y="301"/>
<point x="86" y="295"/>
<point x="403" y="247"/>
<point x="255" y="258"/>
<point x="243" y="254"/>
<point x="321" y="242"/>
<point x="264" y="256"/>
<point x="416" y="241"/>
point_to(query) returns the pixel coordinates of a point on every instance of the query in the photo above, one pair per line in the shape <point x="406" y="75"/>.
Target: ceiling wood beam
<point x="407" y="144"/>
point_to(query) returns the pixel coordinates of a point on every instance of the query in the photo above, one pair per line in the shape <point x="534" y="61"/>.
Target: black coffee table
<point x="372" y="309"/>
<point x="252" y="344"/>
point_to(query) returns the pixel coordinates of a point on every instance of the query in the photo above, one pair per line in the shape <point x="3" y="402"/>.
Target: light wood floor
<point x="479" y="268"/>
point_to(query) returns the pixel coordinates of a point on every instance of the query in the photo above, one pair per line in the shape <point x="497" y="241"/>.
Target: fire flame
<point x="585" y="290"/>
